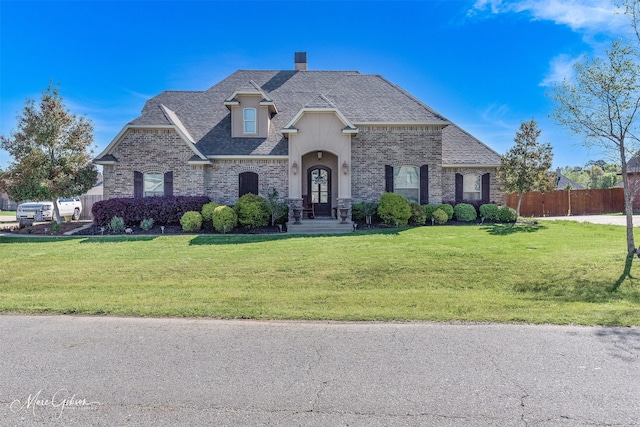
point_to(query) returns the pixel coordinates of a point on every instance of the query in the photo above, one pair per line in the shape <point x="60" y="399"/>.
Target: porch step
<point x="319" y="226"/>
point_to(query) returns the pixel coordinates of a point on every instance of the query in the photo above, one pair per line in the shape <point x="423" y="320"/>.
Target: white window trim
<point x="245" y="121"/>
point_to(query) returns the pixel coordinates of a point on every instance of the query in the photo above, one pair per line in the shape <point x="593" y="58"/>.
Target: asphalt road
<point x="105" y="371"/>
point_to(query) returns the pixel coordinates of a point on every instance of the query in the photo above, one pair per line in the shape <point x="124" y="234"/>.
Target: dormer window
<point x="249" y="118"/>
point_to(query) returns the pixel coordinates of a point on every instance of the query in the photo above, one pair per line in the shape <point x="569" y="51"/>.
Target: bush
<point x="394" y="209"/>
<point x="191" y="221"/>
<point x="207" y="213"/>
<point x="166" y="210"/>
<point x="490" y="211"/>
<point x="224" y="219"/>
<point x="146" y="224"/>
<point x="440" y="217"/>
<point x="465" y="212"/>
<point x="507" y="214"/>
<point x="252" y="211"/>
<point x="418" y="216"/>
<point x="116" y="225"/>
<point x="360" y="211"/>
<point x="448" y="209"/>
<point x="428" y="211"/>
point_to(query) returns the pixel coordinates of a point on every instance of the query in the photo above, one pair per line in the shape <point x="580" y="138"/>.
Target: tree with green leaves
<point x="601" y="103"/>
<point x="51" y="152"/>
<point x="525" y="167"/>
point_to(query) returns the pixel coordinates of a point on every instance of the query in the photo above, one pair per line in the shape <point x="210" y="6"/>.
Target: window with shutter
<point x="424" y="184"/>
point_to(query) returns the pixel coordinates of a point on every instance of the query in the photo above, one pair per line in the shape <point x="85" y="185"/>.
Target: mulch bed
<point x="44" y="229"/>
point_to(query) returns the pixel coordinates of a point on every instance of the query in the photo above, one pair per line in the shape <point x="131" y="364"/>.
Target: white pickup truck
<point x="43" y="211"/>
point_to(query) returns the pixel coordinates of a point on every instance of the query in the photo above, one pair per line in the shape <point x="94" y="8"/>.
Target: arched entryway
<point x="319" y="189"/>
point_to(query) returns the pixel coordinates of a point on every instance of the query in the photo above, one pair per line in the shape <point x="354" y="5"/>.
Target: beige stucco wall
<point x="237" y="117"/>
<point x="320" y="131"/>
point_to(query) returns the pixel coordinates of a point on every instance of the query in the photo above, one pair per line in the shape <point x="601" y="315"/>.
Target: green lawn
<point x="556" y="272"/>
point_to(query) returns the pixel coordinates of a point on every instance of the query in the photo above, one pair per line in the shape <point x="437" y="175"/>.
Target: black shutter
<point x="459" y="187"/>
<point x="424" y="184"/>
<point x="168" y="184"/>
<point x="388" y="179"/>
<point x="138" y="185"/>
<point x="486" y="187"/>
<point x="248" y="183"/>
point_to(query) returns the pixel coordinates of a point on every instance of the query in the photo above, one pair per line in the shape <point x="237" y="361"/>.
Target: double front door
<point x="319" y="189"/>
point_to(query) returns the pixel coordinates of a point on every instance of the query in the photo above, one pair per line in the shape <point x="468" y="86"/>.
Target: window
<point x="153" y="184"/>
<point x="249" y="118"/>
<point x="248" y="183"/>
<point x="472" y="186"/>
<point x="406" y="181"/>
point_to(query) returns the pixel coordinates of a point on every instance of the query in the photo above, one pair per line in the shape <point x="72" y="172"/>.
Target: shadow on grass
<point x="626" y="273"/>
<point x="238" y="239"/>
<point x="118" y="239"/>
<point x="507" y="229"/>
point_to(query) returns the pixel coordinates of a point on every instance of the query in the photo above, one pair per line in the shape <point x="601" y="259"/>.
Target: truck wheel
<point x="76" y="214"/>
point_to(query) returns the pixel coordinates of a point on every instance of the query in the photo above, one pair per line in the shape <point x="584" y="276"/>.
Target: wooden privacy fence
<point x="569" y="202"/>
<point x="87" y="203"/>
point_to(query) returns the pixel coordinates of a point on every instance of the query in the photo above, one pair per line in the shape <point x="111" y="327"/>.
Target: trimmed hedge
<point x="207" y="213"/>
<point x="448" y="209"/>
<point x="440" y="217"/>
<point x="166" y="210"/>
<point x="428" y="211"/>
<point x="507" y="214"/>
<point x="394" y="209"/>
<point x="191" y="221"/>
<point x="224" y="219"/>
<point x="490" y="212"/>
<point x="252" y="211"/>
<point x="418" y="215"/>
<point x="465" y="212"/>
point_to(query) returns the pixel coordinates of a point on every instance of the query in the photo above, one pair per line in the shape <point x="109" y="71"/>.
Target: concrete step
<point x="319" y="226"/>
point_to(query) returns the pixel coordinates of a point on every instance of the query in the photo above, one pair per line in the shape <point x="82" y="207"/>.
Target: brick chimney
<point x="300" y="61"/>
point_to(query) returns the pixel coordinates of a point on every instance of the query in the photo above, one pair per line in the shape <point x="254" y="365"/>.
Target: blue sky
<point x="486" y="65"/>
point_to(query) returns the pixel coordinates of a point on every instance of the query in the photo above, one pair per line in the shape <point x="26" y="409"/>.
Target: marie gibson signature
<point x="60" y="400"/>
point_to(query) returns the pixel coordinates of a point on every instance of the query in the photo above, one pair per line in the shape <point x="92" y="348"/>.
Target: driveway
<point x="106" y="371"/>
<point x="595" y="219"/>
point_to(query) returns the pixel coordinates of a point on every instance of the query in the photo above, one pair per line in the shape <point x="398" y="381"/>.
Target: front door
<point x="319" y="179"/>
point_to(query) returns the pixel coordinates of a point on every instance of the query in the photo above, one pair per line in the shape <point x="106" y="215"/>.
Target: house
<point x="332" y="137"/>
<point x="564" y="183"/>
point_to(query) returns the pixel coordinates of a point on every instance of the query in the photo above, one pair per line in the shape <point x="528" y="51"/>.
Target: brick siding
<point x="376" y="146"/>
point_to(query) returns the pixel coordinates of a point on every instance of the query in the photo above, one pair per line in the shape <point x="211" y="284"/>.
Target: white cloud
<point x="560" y="67"/>
<point x="590" y="16"/>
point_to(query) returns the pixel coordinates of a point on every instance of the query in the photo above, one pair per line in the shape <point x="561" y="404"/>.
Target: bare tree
<point x="601" y="103"/>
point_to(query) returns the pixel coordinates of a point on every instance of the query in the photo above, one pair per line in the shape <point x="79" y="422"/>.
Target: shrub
<point x="360" y="211"/>
<point x="440" y="217"/>
<point x="146" y="224"/>
<point x="166" y="210"/>
<point x="448" y="209"/>
<point x="507" y="214"/>
<point x="418" y="216"/>
<point x="224" y="219"/>
<point x="394" y="209"/>
<point x="117" y="225"/>
<point x="428" y="211"/>
<point x="465" y="212"/>
<point x="207" y="213"/>
<point x="191" y="221"/>
<point x="252" y="211"/>
<point x="489" y="211"/>
<point x="276" y="208"/>
<point x="55" y="228"/>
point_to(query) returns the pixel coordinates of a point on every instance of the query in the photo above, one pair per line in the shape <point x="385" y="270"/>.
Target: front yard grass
<point x="556" y="272"/>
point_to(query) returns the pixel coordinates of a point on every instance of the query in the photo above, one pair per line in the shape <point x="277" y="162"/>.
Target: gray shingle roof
<point x="361" y="98"/>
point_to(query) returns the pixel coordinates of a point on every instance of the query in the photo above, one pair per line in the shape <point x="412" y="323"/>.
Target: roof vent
<point x="300" y="60"/>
